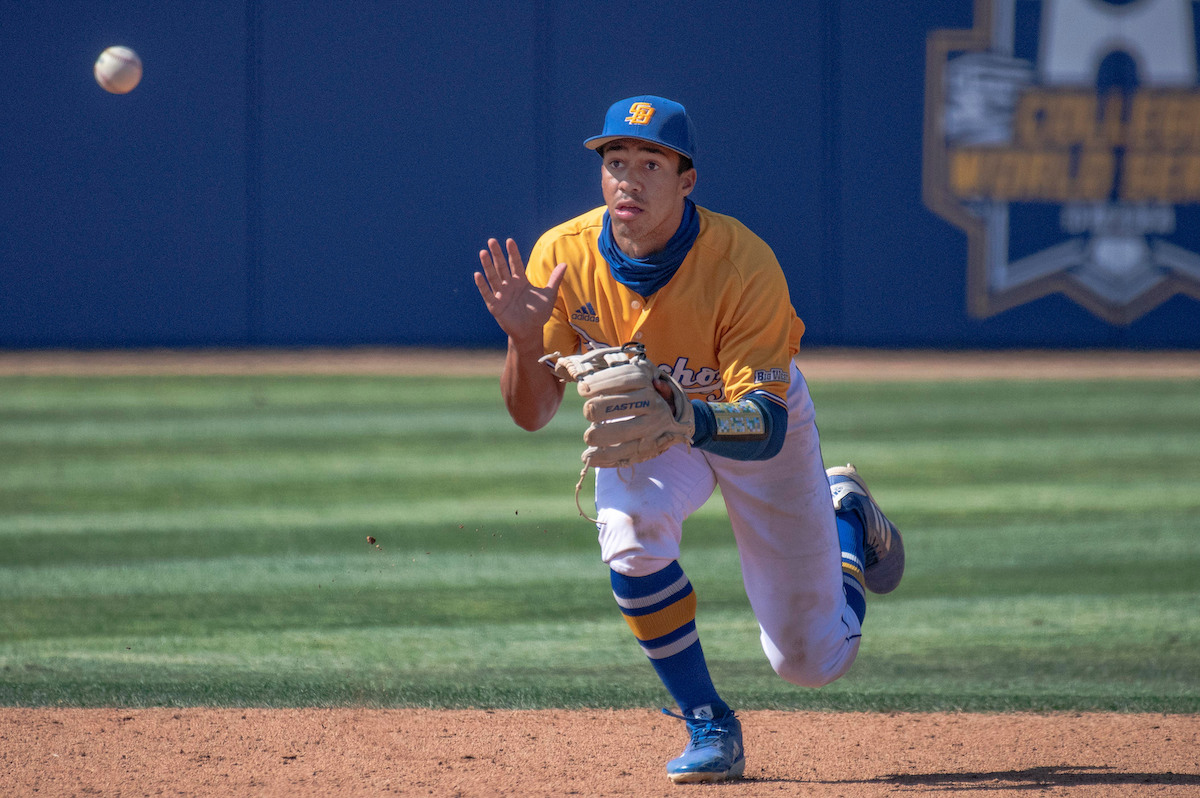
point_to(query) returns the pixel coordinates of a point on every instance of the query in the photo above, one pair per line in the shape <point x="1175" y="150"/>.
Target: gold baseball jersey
<point x="723" y="326"/>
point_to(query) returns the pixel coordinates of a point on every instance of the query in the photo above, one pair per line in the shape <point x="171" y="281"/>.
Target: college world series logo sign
<point x="1063" y="137"/>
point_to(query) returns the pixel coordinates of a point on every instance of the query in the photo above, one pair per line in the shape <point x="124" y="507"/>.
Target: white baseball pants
<point x="783" y="523"/>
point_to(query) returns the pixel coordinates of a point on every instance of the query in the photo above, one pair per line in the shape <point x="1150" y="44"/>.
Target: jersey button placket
<point x="641" y="308"/>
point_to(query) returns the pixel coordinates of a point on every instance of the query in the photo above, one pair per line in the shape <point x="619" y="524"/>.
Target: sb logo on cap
<point x="640" y="113"/>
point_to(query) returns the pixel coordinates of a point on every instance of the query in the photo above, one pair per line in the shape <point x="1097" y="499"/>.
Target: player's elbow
<point x="532" y="404"/>
<point x="528" y="418"/>
<point x="531" y="424"/>
<point x="531" y="413"/>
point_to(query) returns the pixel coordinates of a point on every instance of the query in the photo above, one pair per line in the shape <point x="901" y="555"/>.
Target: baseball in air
<point x="118" y="70"/>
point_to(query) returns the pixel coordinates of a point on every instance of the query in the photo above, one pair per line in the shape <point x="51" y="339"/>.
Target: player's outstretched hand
<point x="520" y="308"/>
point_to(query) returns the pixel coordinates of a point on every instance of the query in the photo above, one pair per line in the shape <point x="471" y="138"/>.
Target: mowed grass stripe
<point x="1159" y="559"/>
<point x="968" y="662"/>
<point x="494" y="566"/>
<point x="263" y="425"/>
<point x="268" y="467"/>
<point x="971" y="409"/>
<point x="1081" y="458"/>
<point x="915" y="629"/>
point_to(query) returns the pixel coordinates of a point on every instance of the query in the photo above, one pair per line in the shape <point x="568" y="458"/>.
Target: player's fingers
<point x="485" y="262"/>
<point x="485" y="290"/>
<point x="664" y="390"/>
<point x="516" y="263"/>
<point x="503" y="268"/>
<point x="556" y="278"/>
<point x="495" y="269"/>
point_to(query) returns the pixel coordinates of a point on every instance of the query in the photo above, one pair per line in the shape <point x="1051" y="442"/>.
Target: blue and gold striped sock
<point x="661" y="611"/>
<point x="850" y="535"/>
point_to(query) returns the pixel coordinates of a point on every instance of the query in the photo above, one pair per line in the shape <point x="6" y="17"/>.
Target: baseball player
<point x="653" y="276"/>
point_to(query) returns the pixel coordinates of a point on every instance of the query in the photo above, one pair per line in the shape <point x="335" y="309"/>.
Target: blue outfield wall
<point x="290" y="175"/>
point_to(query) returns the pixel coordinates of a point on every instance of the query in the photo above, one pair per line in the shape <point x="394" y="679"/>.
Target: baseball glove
<point x="630" y="420"/>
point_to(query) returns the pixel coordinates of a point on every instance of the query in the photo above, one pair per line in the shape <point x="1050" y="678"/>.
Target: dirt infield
<point x="356" y="752"/>
<point x="362" y="752"/>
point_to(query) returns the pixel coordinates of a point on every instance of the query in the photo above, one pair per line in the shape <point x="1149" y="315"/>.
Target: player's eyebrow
<point x="642" y="147"/>
<point x="652" y="149"/>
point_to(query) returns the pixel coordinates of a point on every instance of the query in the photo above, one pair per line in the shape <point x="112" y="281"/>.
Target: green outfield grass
<point x="203" y="541"/>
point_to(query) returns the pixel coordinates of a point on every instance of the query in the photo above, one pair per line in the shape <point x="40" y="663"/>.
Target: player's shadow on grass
<point x="1036" y="778"/>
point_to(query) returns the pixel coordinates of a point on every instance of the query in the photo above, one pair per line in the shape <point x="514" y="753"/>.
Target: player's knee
<point x="801" y="667"/>
<point x="806" y="673"/>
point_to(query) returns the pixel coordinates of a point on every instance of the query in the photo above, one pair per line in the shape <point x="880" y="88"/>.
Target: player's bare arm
<point x="531" y="392"/>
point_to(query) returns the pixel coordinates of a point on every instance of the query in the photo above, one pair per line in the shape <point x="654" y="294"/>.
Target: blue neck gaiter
<point x="647" y="275"/>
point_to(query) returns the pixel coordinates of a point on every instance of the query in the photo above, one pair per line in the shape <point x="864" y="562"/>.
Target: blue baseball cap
<point x="648" y="118"/>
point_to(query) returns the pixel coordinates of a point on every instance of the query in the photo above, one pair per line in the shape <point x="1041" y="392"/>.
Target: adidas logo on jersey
<point x="586" y="313"/>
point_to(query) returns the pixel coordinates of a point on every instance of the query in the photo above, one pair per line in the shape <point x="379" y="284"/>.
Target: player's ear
<point x="687" y="181"/>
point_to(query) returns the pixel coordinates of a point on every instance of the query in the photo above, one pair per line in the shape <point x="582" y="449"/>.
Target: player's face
<point x="644" y="193"/>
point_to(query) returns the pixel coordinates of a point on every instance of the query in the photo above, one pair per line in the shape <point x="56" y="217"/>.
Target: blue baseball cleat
<point x="883" y="546"/>
<point x="714" y="753"/>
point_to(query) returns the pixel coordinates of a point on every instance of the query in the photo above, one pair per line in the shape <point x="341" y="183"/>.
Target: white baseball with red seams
<point x="118" y="70"/>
